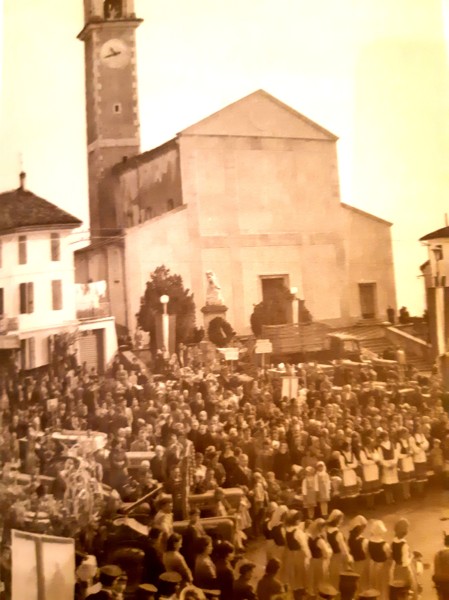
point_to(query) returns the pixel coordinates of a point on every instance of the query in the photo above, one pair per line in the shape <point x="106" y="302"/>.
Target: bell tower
<point x="111" y="91"/>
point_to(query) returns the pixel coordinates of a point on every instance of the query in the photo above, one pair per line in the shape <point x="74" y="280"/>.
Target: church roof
<point x="21" y="209"/>
<point x="260" y="115"/>
<point x="439" y="233"/>
<point x="365" y="214"/>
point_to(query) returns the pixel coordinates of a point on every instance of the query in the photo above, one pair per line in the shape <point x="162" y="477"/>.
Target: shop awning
<point x="9" y="342"/>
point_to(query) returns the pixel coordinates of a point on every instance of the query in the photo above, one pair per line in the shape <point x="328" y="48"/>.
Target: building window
<point x="170" y="204"/>
<point x="117" y="108"/>
<point x="22" y="249"/>
<point x="26" y="298"/>
<point x="56" y="294"/>
<point x="1" y="254"/>
<point x="55" y="244"/>
<point x="2" y="302"/>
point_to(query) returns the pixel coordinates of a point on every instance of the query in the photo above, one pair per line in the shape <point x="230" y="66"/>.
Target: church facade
<point x="250" y="193"/>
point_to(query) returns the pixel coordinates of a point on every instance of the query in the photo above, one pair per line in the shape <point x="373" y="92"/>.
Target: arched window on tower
<point x="113" y="9"/>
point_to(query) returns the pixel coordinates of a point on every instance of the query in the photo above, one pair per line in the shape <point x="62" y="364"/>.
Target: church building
<point x="250" y="193"/>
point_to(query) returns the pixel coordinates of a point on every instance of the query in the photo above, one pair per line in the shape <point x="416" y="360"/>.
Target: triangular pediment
<point x="259" y="115"/>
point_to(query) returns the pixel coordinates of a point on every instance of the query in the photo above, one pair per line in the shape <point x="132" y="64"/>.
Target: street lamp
<point x="165" y="321"/>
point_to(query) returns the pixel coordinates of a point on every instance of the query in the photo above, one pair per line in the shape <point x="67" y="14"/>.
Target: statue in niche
<point x="213" y="292"/>
<point x="113" y="9"/>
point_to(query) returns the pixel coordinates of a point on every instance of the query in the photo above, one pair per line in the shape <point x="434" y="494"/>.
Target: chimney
<point x="22" y="177"/>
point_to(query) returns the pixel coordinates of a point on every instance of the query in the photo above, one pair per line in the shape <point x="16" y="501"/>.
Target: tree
<point x="181" y="304"/>
<point x="272" y="311"/>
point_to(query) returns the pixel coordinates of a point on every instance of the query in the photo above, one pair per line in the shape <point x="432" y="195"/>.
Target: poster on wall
<point x="43" y="567"/>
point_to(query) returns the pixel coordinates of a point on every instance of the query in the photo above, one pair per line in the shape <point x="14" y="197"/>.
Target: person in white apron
<point x="348" y="465"/>
<point x="323" y="488"/>
<point x="310" y="492"/>
<point x="358" y="547"/>
<point x="389" y="463"/>
<point x="406" y="471"/>
<point x="379" y="553"/>
<point x="276" y="529"/>
<point x="296" y="559"/>
<point x="370" y="459"/>
<point x="420" y="446"/>
<point x="341" y="557"/>
<point x="320" y="555"/>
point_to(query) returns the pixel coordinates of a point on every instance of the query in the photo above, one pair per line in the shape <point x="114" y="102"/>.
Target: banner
<point x="43" y="567"/>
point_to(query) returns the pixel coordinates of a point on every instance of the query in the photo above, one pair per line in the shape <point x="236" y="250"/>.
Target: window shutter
<point x="23" y="298"/>
<point x="22" y="249"/>
<point x="55" y="245"/>
<point x="56" y="293"/>
<point x="30" y="297"/>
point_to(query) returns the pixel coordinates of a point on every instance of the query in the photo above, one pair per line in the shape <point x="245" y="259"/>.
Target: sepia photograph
<point x="224" y="299"/>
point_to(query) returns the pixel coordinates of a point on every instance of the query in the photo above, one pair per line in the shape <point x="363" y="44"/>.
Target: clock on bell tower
<point x="111" y="91"/>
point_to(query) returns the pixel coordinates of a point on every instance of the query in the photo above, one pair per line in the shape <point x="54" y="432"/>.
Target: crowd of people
<point x="279" y="467"/>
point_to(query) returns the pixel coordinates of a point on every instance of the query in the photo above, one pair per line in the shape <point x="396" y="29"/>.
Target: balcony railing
<point x="8" y="324"/>
<point x="102" y="309"/>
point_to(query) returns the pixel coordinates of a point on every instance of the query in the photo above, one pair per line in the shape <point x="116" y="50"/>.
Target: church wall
<point x="263" y="207"/>
<point x="291" y="185"/>
<point x="160" y="241"/>
<point x="370" y="260"/>
<point x="150" y="188"/>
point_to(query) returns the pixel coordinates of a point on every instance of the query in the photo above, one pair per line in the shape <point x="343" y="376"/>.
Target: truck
<point x="311" y="342"/>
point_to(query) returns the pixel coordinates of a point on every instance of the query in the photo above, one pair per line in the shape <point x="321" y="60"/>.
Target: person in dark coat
<point x="192" y="533"/>
<point x="243" y="590"/>
<point x="153" y="565"/>
<point x="269" y="585"/>
<point x="225" y="573"/>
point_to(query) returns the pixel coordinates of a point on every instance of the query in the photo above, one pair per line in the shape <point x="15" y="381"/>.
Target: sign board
<point x="230" y="353"/>
<point x="289" y="387"/>
<point x="263" y="347"/>
<point x="43" y="567"/>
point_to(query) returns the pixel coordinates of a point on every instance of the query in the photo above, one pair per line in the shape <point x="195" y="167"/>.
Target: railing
<point x="8" y="324"/>
<point x="102" y="309"/>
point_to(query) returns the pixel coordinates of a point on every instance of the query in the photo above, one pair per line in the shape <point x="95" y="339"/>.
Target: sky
<point x="374" y="72"/>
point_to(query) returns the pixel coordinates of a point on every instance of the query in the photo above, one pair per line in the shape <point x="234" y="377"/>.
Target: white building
<point x="37" y="285"/>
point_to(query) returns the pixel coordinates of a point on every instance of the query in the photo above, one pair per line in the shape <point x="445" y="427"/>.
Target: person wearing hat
<point x="370" y="594"/>
<point x="399" y="590"/>
<point x="146" y="591"/>
<point x="169" y="584"/>
<point x="379" y="552"/>
<point x="110" y="583"/>
<point x="326" y="591"/>
<point x="341" y="556"/>
<point x="358" y="547"/>
<point x="243" y="590"/>
<point x="310" y="491"/>
<point x="402" y="556"/>
<point x="276" y="530"/>
<point x="321" y="553"/>
<point x="296" y="559"/>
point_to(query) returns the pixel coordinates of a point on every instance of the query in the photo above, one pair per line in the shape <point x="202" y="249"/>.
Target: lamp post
<point x="165" y="323"/>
